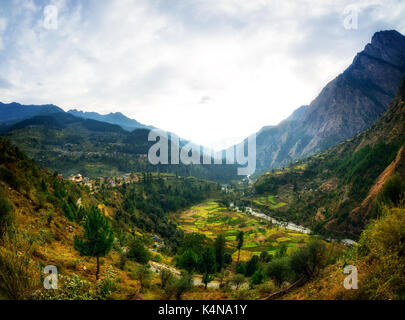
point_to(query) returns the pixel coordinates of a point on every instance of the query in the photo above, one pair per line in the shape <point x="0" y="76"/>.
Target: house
<point x="76" y="178"/>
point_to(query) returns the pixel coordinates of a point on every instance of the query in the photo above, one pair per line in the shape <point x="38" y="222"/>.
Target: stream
<point x="288" y="225"/>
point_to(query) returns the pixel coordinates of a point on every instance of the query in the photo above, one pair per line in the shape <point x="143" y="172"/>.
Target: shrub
<point x="265" y="256"/>
<point x="157" y="258"/>
<point x="251" y="266"/>
<point x="177" y="287"/>
<point x="143" y="275"/>
<point x="392" y="191"/>
<point x="227" y="258"/>
<point x="137" y="252"/>
<point x="266" y="288"/>
<point x="17" y="280"/>
<point x="6" y="217"/>
<point x="107" y="285"/>
<point x="382" y="249"/>
<point x="257" y="277"/>
<point x="241" y="268"/>
<point x="122" y="260"/>
<point x="244" y="294"/>
<point x="188" y="261"/>
<point x="166" y="278"/>
<point x="278" y="270"/>
<point x="306" y="261"/>
<point x="70" y="287"/>
<point x="238" y="279"/>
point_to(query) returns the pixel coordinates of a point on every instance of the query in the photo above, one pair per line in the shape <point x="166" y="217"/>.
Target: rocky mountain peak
<point x="388" y="46"/>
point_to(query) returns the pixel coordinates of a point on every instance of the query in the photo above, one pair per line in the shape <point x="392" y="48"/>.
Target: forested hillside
<point x="333" y="191"/>
<point x="41" y="216"/>
<point x="72" y="145"/>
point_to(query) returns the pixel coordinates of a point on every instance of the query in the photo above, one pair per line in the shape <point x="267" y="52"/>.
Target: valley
<point x="78" y="193"/>
<point x="210" y="219"/>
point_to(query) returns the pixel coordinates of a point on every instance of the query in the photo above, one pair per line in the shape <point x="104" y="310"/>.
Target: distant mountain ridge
<point x="11" y="113"/>
<point x="349" y="104"/>
<point x="69" y="144"/>
<point x="14" y="112"/>
<point x="113" y="118"/>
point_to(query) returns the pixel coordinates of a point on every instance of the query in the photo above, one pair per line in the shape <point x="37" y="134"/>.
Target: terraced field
<point x="269" y="201"/>
<point x="211" y="219"/>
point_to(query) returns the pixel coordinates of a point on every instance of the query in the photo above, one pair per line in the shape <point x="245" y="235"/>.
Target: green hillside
<point x="327" y="191"/>
<point x="72" y="145"/>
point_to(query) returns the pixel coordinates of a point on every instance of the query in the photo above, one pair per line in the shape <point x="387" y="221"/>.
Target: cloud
<point x="205" y="99"/>
<point x="5" y="84"/>
<point x="162" y="62"/>
<point x="3" y="25"/>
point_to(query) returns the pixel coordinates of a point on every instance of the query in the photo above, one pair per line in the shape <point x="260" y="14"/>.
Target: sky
<point x="212" y="71"/>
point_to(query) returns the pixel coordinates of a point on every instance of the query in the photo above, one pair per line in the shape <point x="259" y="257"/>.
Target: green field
<point x="211" y="219"/>
<point x="269" y="201"/>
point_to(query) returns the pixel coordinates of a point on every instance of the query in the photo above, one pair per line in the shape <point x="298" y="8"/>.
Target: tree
<point x="222" y="275"/>
<point x="137" y="252"/>
<point x="98" y="237"/>
<point x="257" y="277"/>
<point x="207" y="265"/>
<point x="252" y="266"/>
<point x="227" y="258"/>
<point x="241" y="268"/>
<point x="178" y="287"/>
<point x="265" y="256"/>
<point x="238" y="279"/>
<point x="281" y="251"/>
<point x="307" y="260"/>
<point x="67" y="210"/>
<point x="194" y="241"/>
<point x="219" y="246"/>
<point x="278" y="270"/>
<point x="239" y="238"/>
<point x="188" y="261"/>
<point x="143" y="275"/>
<point x="166" y="278"/>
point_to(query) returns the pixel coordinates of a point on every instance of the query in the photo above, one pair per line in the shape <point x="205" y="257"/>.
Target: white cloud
<point x="3" y="25"/>
<point x="208" y="70"/>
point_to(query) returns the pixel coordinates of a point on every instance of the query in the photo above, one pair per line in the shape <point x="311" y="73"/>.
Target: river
<point x="288" y="225"/>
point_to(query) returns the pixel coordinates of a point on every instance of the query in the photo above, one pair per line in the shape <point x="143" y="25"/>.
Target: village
<point x="111" y="181"/>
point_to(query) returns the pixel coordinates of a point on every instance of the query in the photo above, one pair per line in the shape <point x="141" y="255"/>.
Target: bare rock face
<point x="349" y="104"/>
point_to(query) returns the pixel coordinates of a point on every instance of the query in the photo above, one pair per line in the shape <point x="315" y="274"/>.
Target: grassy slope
<point x="45" y="237"/>
<point x="379" y="259"/>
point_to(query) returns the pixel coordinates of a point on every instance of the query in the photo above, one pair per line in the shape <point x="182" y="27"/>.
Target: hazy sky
<point x="209" y="70"/>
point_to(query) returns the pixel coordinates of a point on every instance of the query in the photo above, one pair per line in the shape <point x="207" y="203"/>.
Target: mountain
<point x="11" y="113"/>
<point x="113" y="118"/>
<point x="349" y="104"/>
<point x="297" y="113"/>
<point x="70" y="145"/>
<point x="14" y="112"/>
<point x="336" y="191"/>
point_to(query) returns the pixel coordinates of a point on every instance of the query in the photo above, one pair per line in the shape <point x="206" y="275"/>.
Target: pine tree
<point x="98" y="237"/>
<point x="219" y="246"/>
<point x="207" y="265"/>
<point x="239" y="237"/>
